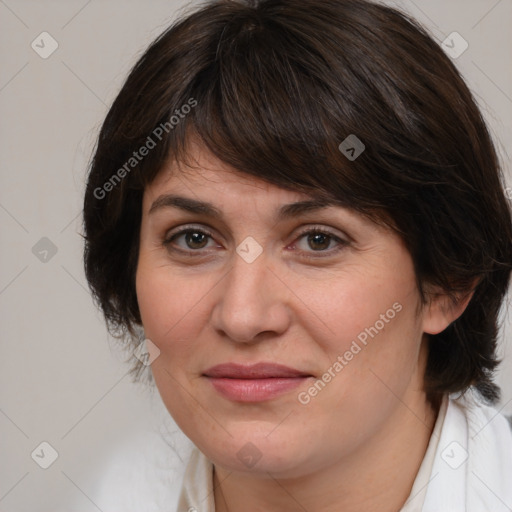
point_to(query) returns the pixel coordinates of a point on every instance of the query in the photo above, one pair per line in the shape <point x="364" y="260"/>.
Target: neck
<point x="378" y="477"/>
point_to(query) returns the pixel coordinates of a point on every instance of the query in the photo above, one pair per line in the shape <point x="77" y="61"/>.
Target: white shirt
<point x="467" y="468"/>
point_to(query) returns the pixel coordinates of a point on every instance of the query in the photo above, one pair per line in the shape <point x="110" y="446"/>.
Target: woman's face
<point x="323" y="292"/>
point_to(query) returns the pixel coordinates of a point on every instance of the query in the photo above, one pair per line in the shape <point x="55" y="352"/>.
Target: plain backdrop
<point x="62" y="380"/>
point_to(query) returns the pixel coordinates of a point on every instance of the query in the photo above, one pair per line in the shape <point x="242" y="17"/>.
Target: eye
<point x="313" y="242"/>
<point x="189" y="239"/>
<point x="319" y="240"/>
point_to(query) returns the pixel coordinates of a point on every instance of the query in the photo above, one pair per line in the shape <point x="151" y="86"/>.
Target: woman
<point x="300" y="204"/>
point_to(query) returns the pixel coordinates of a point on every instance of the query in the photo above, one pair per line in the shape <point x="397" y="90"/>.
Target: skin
<point x="358" y="444"/>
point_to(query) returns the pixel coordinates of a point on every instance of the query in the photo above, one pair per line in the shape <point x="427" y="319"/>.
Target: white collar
<point x="472" y="471"/>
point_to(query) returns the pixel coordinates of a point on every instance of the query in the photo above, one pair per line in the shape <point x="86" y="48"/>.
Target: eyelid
<point x="183" y="228"/>
<point x="320" y="228"/>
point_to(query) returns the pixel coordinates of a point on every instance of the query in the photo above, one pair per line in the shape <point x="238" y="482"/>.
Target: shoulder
<point x="482" y="418"/>
<point x="472" y="467"/>
<point x="489" y="454"/>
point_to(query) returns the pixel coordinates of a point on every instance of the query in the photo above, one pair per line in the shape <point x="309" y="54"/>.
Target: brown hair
<point x="273" y="87"/>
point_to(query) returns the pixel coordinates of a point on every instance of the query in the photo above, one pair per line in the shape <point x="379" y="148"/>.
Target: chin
<point x="259" y="452"/>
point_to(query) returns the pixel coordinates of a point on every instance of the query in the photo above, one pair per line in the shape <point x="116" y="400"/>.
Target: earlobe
<point x="444" y="310"/>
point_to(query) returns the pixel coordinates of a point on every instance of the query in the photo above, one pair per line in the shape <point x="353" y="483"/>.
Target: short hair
<point x="272" y="88"/>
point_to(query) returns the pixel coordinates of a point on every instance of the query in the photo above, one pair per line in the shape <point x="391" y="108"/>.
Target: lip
<point x="253" y="371"/>
<point x="254" y="383"/>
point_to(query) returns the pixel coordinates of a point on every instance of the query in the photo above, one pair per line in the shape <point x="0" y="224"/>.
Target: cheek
<point x="358" y="302"/>
<point x="173" y="314"/>
<point x="171" y="307"/>
<point x="366" y="332"/>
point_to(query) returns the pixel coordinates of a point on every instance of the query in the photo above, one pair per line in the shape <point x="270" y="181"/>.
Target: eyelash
<point x="305" y="254"/>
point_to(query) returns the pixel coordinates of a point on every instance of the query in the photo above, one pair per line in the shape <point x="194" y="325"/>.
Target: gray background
<point x="63" y="380"/>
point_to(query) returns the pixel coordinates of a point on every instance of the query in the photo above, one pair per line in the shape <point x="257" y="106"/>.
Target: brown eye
<point x="196" y="239"/>
<point x="318" y="242"/>
<point x="188" y="240"/>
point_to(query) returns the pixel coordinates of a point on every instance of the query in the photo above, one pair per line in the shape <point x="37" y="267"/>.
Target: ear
<point x="444" y="310"/>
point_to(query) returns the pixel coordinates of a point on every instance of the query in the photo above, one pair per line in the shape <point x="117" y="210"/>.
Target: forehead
<point x="202" y="173"/>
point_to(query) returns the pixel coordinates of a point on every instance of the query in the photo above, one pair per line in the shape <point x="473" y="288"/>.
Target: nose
<point x="252" y="302"/>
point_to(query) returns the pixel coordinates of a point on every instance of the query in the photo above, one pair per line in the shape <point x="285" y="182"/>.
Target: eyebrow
<point x="205" y="208"/>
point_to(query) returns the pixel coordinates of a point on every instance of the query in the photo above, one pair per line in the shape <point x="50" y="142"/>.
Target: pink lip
<point x="254" y="383"/>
